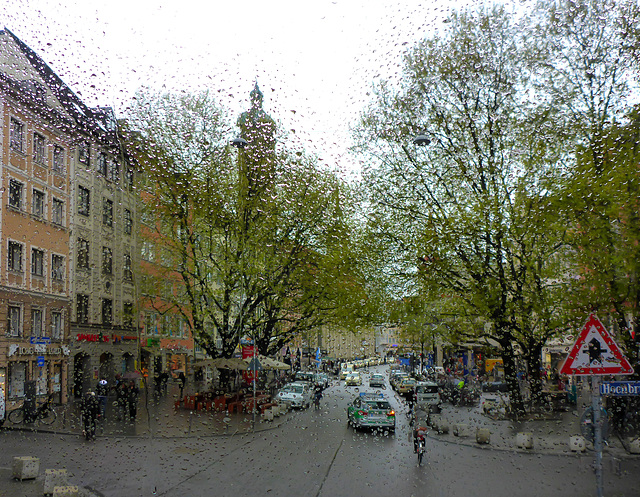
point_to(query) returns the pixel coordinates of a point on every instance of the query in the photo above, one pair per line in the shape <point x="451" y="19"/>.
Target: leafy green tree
<point x="473" y="213"/>
<point x="259" y="240"/>
<point x="588" y="67"/>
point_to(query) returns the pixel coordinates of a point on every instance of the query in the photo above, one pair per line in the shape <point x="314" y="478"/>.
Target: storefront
<point x="44" y="363"/>
<point x="97" y="356"/>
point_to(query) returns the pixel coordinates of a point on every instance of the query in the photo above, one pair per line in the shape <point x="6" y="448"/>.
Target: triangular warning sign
<point x="595" y="353"/>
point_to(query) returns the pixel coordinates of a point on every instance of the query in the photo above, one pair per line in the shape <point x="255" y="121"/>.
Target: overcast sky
<point x="314" y="60"/>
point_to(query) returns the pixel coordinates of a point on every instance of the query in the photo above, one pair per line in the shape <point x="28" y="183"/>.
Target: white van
<point x="345" y="369"/>
<point x="427" y="394"/>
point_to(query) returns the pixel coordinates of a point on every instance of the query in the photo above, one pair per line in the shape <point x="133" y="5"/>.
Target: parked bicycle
<point x="44" y="414"/>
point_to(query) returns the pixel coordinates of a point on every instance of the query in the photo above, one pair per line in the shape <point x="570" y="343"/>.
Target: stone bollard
<point x="483" y="436"/>
<point x="634" y="446"/>
<point x="461" y="430"/>
<point x="577" y="444"/>
<point x="54" y="478"/>
<point x="25" y="467"/>
<point x="267" y="415"/>
<point x="66" y="491"/>
<point x="524" y="440"/>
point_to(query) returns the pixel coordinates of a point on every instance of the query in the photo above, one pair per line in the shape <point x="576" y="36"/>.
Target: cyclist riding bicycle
<point x="420" y="433"/>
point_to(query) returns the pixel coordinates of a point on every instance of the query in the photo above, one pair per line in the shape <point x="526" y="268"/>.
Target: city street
<point x="314" y="453"/>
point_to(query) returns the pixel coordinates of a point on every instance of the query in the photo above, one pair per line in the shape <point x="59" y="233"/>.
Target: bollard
<point x="54" y="478"/>
<point x="66" y="491"/>
<point x="634" y="446"/>
<point x="461" y="430"/>
<point x="524" y="440"/>
<point x="577" y="444"/>
<point x="25" y="467"/>
<point x="483" y="436"/>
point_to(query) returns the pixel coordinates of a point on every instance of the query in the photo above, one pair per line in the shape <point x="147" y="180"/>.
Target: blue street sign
<point x="620" y="388"/>
<point x="40" y="361"/>
<point x="39" y="340"/>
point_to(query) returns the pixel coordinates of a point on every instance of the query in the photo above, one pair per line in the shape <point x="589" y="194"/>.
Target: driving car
<point x="322" y="379"/>
<point x="345" y="369"/>
<point x="353" y="379"/>
<point x="376" y="380"/>
<point x="371" y="410"/>
<point x="297" y="394"/>
<point x="406" y="385"/>
<point x="395" y="378"/>
<point x="307" y="376"/>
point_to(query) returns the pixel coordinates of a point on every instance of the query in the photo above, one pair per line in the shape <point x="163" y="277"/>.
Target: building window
<point x="114" y="171"/>
<point x="37" y="203"/>
<point x="57" y="267"/>
<point x="15" y="257"/>
<point x="15" y="194"/>
<point x="107" y="260"/>
<point x="147" y="251"/>
<point x="128" y="271"/>
<point x="38" y="148"/>
<point x="127" y="314"/>
<point x="83" y="200"/>
<point x="107" y="212"/>
<point x="36" y="323"/>
<point x="150" y="323"/>
<point x="129" y="179"/>
<point x="58" y="159"/>
<point x="37" y="262"/>
<point x="15" y="321"/>
<point x="102" y="164"/>
<point x="16" y="135"/>
<point x="128" y="222"/>
<point x="107" y="311"/>
<point x="57" y="214"/>
<point x="84" y="153"/>
<point x="82" y="309"/>
<point x="56" y="325"/>
<point x="83" y="253"/>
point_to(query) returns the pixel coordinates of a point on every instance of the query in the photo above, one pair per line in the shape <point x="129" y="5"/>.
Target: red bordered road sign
<point x="595" y="353"/>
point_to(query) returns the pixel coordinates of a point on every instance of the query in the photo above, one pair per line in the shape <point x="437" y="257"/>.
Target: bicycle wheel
<point x="47" y="417"/>
<point x="17" y="415"/>
<point x="420" y="456"/>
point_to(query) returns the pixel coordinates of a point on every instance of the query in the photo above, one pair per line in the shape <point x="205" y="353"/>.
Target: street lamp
<point x="239" y="142"/>
<point x="421" y="140"/>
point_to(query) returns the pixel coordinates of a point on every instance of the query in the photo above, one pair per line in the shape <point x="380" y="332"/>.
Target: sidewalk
<point x="156" y="417"/>
<point x="550" y="433"/>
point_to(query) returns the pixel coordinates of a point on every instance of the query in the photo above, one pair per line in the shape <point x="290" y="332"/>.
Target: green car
<point x="371" y="410"/>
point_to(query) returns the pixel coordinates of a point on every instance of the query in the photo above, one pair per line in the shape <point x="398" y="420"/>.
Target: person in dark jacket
<point x="133" y="392"/>
<point x="90" y="414"/>
<point x="102" y="390"/>
<point x="182" y="380"/>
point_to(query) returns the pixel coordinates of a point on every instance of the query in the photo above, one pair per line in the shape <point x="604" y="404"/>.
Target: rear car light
<point x="391" y="413"/>
<point x="362" y="413"/>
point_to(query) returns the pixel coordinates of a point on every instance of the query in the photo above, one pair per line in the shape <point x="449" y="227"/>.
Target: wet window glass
<point x="321" y="248"/>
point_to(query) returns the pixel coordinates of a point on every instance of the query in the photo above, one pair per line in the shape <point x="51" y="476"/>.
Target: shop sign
<point x="153" y="342"/>
<point x="92" y="337"/>
<point x="39" y="340"/>
<point x="123" y="338"/>
<point x="15" y="349"/>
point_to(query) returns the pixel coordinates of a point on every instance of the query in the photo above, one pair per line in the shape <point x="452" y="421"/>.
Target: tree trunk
<point x="511" y="377"/>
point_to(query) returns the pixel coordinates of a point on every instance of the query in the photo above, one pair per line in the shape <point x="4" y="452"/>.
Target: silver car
<point x="297" y="394"/>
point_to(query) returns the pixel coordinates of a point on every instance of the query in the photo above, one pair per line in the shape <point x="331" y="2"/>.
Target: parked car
<point x="371" y="410"/>
<point x="406" y="385"/>
<point x="396" y="378"/>
<point x="353" y="379"/>
<point x="427" y="395"/>
<point x="297" y="394"/>
<point x="376" y="380"/>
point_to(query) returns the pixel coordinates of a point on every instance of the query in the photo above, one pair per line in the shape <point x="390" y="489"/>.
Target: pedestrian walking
<point x="122" y="399"/>
<point x="90" y="413"/>
<point x="182" y="380"/>
<point x="133" y="392"/>
<point x="102" y="390"/>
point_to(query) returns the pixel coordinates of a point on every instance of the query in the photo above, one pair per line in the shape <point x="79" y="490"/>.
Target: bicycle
<point x="420" y="449"/>
<point x="44" y="413"/>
